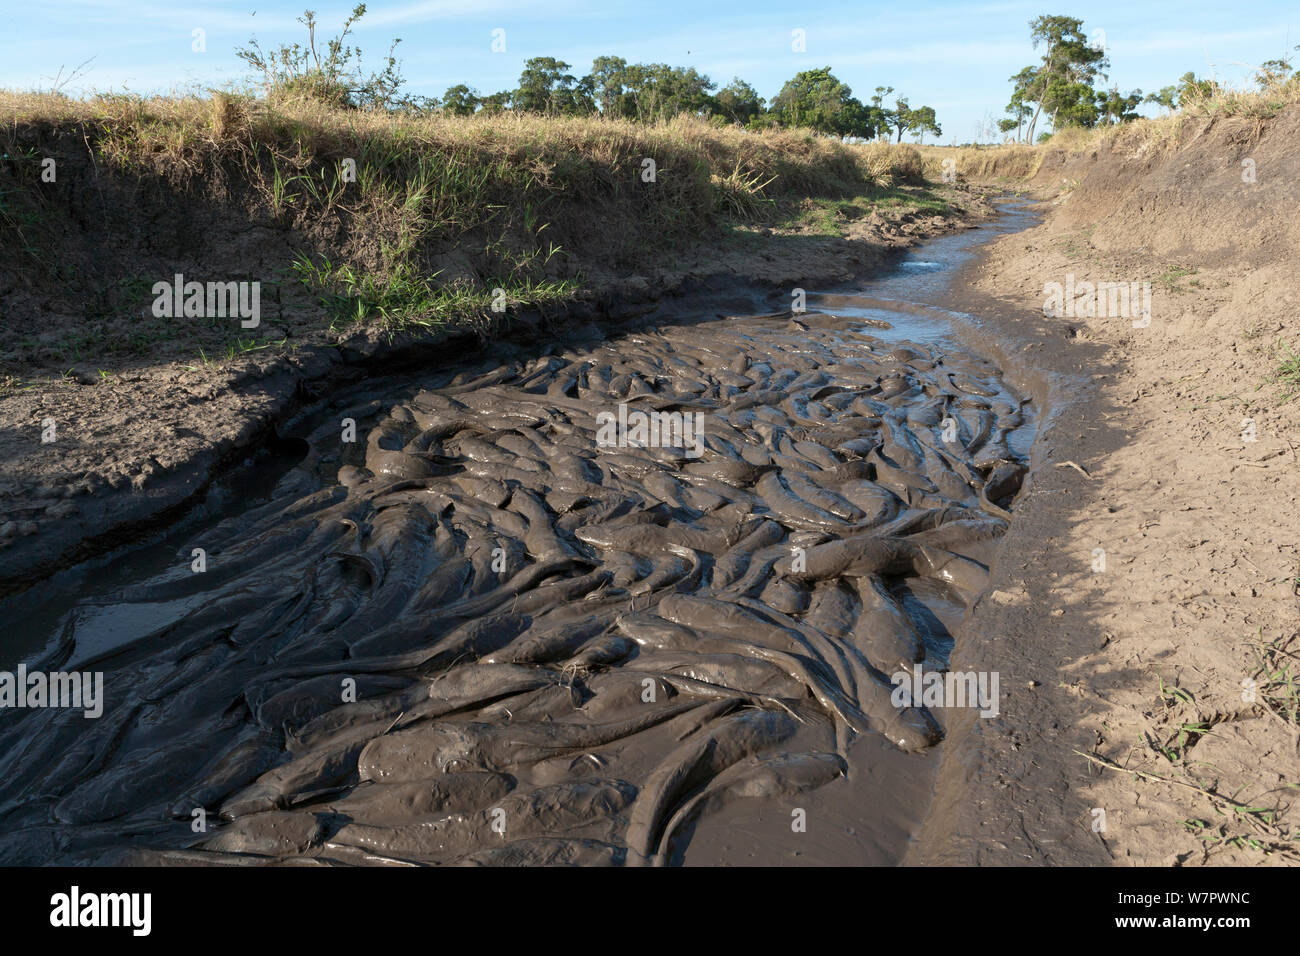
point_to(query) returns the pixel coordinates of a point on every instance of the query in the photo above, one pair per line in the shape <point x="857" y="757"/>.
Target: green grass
<point x="404" y="297"/>
<point x="830" y="216"/>
<point x="1169" y="280"/>
<point x="1287" y="373"/>
<point x="1076" y="245"/>
<point x="1277" y="677"/>
<point x="1219" y="836"/>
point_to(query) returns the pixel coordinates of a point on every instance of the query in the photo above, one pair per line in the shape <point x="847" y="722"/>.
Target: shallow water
<point x="496" y="629"/>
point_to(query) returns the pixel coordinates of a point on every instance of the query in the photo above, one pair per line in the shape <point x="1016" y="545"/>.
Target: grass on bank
<point x="1014" y="163"/>
<point x="831" y="217"/>
<point x="377" y="203"/>
<point x="1287" y="373"/>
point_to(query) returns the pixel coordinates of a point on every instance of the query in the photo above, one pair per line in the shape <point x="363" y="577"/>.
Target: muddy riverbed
<point x="638" y="600"/>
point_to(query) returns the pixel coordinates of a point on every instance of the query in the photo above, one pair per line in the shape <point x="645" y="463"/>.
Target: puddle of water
<point x="39" y="615"/>
<point x="102" y="628"/>
<point x="912" y="297"/>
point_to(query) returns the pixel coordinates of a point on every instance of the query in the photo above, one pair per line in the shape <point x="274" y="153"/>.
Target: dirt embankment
<point x="114" y="418"/>
<point x="1144" y="613"/>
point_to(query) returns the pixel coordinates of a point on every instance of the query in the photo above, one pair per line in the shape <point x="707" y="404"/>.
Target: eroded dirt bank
<point x="1144" y="612"/>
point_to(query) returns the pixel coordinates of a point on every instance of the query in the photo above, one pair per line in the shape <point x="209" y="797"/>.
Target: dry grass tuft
<point x="983" y="163"/>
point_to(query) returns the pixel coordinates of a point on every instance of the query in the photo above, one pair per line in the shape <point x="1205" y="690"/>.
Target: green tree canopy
<point x="816" y="99"/>
<point x="546" y="86"/>
<point x="460" y="100"/>
<point x="922" y="120"/>
<point x="1190" y="89"/>
<point x="1116" y="107"/>
<point x="1062" y="83"/>
<point x="606" y="78"/>
<point x="1274" y="74"/>
<point x="659" y="91"/>
<point x="739" y="102"/>
<point x="1166" y="97"/>
<point x="898" y="117"/>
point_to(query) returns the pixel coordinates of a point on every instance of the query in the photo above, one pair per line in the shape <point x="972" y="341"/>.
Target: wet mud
<point x="576" y="608"/>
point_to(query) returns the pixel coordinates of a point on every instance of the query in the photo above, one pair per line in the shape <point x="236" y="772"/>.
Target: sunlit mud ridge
<point x="547" y="612"/>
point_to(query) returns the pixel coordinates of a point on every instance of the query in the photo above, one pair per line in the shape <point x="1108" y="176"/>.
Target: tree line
<point x="642" y="92"/>
<point x="648" y="92"/>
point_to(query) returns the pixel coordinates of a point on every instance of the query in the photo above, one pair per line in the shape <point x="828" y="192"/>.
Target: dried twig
<point x="1075" y="466"/>
<point x="1238" y="808"/>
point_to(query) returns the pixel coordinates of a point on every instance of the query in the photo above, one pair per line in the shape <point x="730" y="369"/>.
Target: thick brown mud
<point x="635" y="601"/>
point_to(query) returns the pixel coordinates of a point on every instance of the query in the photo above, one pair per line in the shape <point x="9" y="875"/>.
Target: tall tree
<point x="1062" y="83"/>
<point x="1274" y="74"/>
<point x="1167" y="97"/>
<point x="1023" y="93"/>
<point x="460" y="100"/>
<point x="607" y="76"/>
<point x="495" y="102"/>
<point x="543" y="85"/>
<point x="816" y="99"/>
<point x="1190" y="89"/>
<point x="654" y="91"/>
<point x="1116" y="107"/>
<point x="739" y="102"/>
<point x="879" y="116"/>
<point x="921" y="121"/>
<point x="899" y="117"/>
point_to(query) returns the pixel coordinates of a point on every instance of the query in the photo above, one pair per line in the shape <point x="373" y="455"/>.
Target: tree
<point x="576" y="99"/>
<point x="816" y="99"/>
<point x="898" y="118"/>
<point x="665" y="91"/>
<point x="545" y="86"/>
<point x="1167" y="97"/>
<point x="739" y="102"/>
<point x="880" y="118"/>
<point x="1062" y="83"/>
<point x="1022" y="94"/>
<point x="1191" y="90"/>
<point x="1116" y="107"/>
<point x="1274" y="74"/>
<point x="921" y="121"/>
<point x="1073" y="104"/>
<point x="495" y="103"/>
<point x="607" y="77"/>
<point x="460" y="100"/>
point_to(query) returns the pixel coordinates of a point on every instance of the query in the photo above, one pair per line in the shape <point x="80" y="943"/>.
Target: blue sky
<point x="953" y="56"/>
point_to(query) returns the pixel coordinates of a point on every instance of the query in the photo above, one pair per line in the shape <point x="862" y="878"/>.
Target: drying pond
<point x="635" y="600"/>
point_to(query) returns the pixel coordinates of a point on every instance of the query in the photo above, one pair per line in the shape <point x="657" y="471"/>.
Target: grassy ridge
<point x="1011" y="164"/>
<point x="401" y="219"/>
